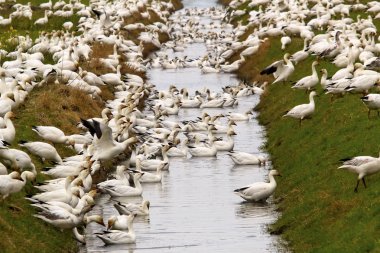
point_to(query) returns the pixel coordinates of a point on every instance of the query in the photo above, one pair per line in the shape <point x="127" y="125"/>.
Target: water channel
<point x="195" y="209"/>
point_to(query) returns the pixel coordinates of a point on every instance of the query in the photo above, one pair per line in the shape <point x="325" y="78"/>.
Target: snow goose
<point x="138" y="209"/>
<point x="69" y="195"/>
<point x="227" y="145"/>
<point x="64" y="219"/>
<point x="308" y="82"/>
<point x="113" y="79"/>
<point x="126" y="190"/>
<point x="362" y="84"/>
<point x="120" y="222"/>
<point x="243" y="158"/>
<point x="324" y="78"/>
<point x="42" y="21"/>
<point x="259" y="191"/>
<point x="372" y="101"/>
<point x="285" y="41"/>
<point x="150" y="177"/>
<point x="8" y="133"/>
<point x="304" y="110"/>
<point x="53" y="134"/>
<point x="358" y="160"/>
<point x="153" y="164"/>
<point x="105" y="148"/>
<point x="43" y="150"/>
<point x="180" y="151"/>
<point x="221" y="129"/>
<point x="119" y="237"/>
<point x="300" y="55"/>
<point x="239" y="116"/>
<point x="281" y="70"/>
<point x="204" y="151"/>
<point x="11" y="184"/>
<point x="363" y="170"/>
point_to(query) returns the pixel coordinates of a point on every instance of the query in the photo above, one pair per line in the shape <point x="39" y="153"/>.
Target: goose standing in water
<point x="259" y="191"/>
<point x="303" y="111"/>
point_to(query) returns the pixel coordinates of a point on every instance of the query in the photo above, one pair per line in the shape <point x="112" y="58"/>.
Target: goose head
<point x="93" y="218"/>
<point x="274" y="173"/>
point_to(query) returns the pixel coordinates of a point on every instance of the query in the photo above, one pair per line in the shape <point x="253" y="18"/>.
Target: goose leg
<point x="300" y="122"/>
<point x="378" y="114"/>
<point x="365" y="186"/>
<point x="369" y="111"/>
<point x="357" y="185"/>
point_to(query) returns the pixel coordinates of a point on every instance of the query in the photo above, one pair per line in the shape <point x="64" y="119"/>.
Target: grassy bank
<point x="320" y="211"/>
<point x="56" y="105"/>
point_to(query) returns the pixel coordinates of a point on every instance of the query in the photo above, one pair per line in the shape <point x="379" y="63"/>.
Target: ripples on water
<point x="194" y="209"/>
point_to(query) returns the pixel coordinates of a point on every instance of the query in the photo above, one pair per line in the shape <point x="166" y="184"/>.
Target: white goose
<point x="281" y="70"/>
<point x="150" y="177"/>
<point x="304" y="110"/>
<point x="43" y="150"/>
<point x="119" y="237"/>
<point x="11" y="184"/>
<point x="204" y="151"/>
<point x="243" y="158"/>
<point x="105" y="148"/>
<point x="372" y="101"/>
<point x="120" y="222"/>
<point x="138" y="209"/>
<point x="8" y="133"/>
<point x="126" y="190"/>
<point x="308" y="82"/>
<point x="259" y="191"/>
<point x="227" y="145"/>
<point x="53" y="134"/>
<point x="363" y="170"/>
<point x="239" y="116"/>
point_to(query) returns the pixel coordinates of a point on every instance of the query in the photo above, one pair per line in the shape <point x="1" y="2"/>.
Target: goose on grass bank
<point x="304" y="110"/>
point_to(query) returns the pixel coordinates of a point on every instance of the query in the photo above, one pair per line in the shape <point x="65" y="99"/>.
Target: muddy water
<point x="194" y="209"/>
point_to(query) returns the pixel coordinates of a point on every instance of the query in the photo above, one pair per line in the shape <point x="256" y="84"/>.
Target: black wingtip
<point x="7" y="144"/>
<point x="22" y="142"/>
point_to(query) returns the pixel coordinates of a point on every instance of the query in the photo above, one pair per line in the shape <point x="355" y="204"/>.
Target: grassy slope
<point x="56" y="105"/>
<point x="320" y="211"/>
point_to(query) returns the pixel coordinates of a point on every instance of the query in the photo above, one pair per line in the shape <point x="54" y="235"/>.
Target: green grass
<point x="320" y="211"/>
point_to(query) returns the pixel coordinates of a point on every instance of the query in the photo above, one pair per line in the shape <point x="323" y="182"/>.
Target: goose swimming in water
<point x="243" y="158"/>
<point x="138" y="209"/>
<point x="119" y="237"/>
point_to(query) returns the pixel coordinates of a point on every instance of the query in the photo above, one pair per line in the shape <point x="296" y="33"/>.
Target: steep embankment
<point x="320" y="211"/>
<point x="57" y="105"/>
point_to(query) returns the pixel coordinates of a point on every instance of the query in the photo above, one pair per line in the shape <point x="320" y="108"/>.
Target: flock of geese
<point x="139" y="143"/>
<point x="329" y="33"/>
<point x="142" y="142"/>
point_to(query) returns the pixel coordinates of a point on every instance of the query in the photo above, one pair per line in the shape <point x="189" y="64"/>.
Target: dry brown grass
<point x="250" y="70"/>
<point x="58" y="105"/>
